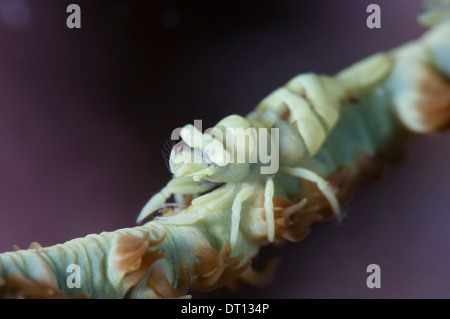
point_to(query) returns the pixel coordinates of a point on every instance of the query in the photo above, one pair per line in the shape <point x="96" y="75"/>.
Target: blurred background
<point x="84" y="114"/>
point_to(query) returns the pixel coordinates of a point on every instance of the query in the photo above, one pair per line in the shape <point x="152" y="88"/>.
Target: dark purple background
<point x="84" y="114"/>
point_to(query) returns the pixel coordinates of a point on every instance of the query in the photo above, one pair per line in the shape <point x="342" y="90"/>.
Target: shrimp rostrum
<point x="253" y="180"/>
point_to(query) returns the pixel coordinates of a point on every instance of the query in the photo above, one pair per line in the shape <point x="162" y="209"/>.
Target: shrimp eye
<point x="216" y="153"/>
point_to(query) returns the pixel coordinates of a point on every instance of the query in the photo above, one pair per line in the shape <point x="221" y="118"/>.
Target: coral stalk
<point x="167" y="257"/>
